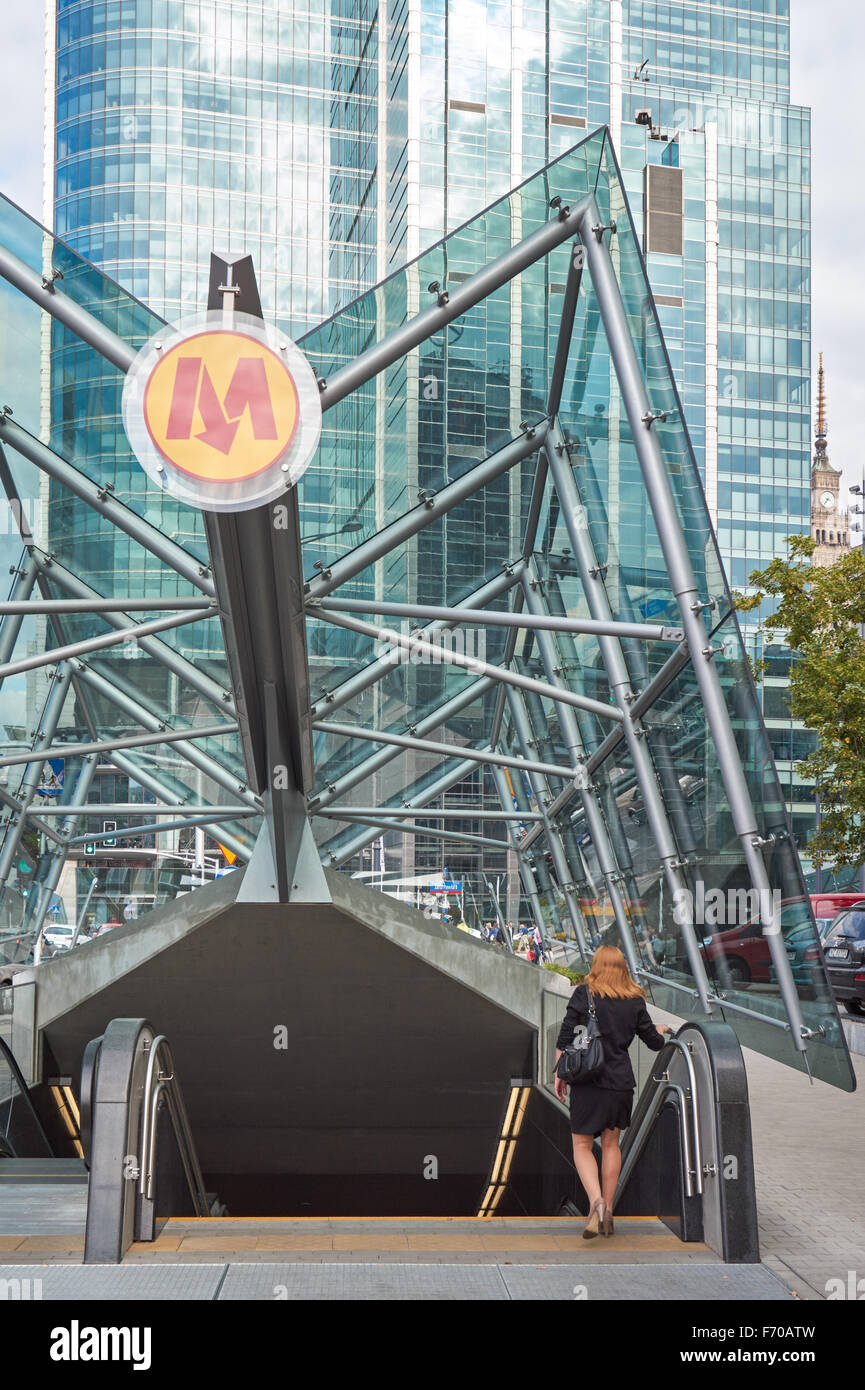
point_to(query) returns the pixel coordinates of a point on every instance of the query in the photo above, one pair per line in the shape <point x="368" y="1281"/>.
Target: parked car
<point x="741" y="954"/>
<point x="827" y="907"/>
<point x="844" y="948"/>
<point x="59" y="935"/>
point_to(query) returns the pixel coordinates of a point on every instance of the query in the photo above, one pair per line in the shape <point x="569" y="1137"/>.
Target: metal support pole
<point x="46" y="730"/>
<point x="526" y="876"/>
<point x="188" y="751"/>
<point x="545" y="878"/>
<point x="73" y="750"/>
<point x="338" y="851"/>
<point x="154" y="647"/>
<point x="594" y="817"/>
<point x="159" y="827"/>
<point x="110" y="639"/>
<point x="451" y="304"/>
<point x="332" y="791"/>
<point x="107" y="506"/>
<point x="59" y="855"/>
<point x="406" y="828"/>
<point x="25" y="578"/>
<point x="142" y="777"/>
<point x="471" y="663"/>
<point x="659" y="490"/>
<point x="456" y="617"/>
<point x="618" y="675"/>
<point x="443" y="750"/>
<point x="427" y="511"/>
<point x="523" y="731"/>
<point x="448" y="813"/>
<point x="356" y="685"/>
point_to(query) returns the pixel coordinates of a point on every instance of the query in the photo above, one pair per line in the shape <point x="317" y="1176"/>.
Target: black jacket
<point x="619" y="1020"/>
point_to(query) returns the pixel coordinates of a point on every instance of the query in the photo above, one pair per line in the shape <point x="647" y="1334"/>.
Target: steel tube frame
<point x="156" y="828"/>
<point x="521" y="798"/>
<point x="71" y="750"/>
<point x="355" y="685"/>
<point x="470" y="663"/>
<point x="619" y="678"/>
<point x="340" y="853"/>
<point x="609" y="866"/>
<point x="144" y="777"/>
<point x="187" y="750"/>
<point x="110" y="639"/>
<point x="452" y="304"/>
<point x="154" y="647"/>
<point x="427" y="511"/>
<point x="523" y="867"/>
<point x="448" y="813"/>
<point x="59" y="854"/>
<point x="105" y="605"/>
<point x="684" y="586"/>
<point x="66" y="311"/>
<point x="540" y="788"/>
<point x="456" y="617"/>
<point x="138" y="808"/>
<point x="444" y="750"/>
<point x="46" y="730"/>
<point x="16" y="608"/>
<point x="364" y="769"/>
<point x="101" y="500"/>
<point x="405" y="828"/>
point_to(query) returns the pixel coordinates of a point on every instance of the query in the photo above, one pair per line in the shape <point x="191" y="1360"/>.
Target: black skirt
<point x="594" y="1109"/>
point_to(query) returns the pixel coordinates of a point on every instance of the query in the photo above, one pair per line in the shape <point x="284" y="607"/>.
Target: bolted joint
<point x="600" y="229"/>
<point x="651" y="416"/>
<point x="428" y="498"/>
<point x="710" y="652"/>
<point x="597" y="570"/>
<point x="7" y="410"/>
<point x="322" y="383"/>
<point x="561" y="208"/>
<point x="527" y="429"/>
<point x="49" y="281"/>
<point x="323" y="572"/>
<point x="699" y="607"/>
<point x="442" y="295"/>
<point x="763" y="841"/>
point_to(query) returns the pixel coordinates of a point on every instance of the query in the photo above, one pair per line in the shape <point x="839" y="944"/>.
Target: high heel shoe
<point x="607" y="1223"/>
<point x="594" y="1219"/>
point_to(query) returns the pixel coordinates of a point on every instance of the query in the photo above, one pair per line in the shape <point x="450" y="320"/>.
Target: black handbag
<point x="582" y="1060"/>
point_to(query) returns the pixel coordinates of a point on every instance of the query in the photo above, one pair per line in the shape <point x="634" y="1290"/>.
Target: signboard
<point x="224" y="417"/>
<point x="52" y="779"/>
<point x="452" y="886"/>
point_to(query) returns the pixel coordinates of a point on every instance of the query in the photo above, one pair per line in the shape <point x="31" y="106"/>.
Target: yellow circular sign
<point x="221" y="406"/>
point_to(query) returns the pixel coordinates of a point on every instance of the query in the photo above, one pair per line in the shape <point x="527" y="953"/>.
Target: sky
<point x="828" y="53"/>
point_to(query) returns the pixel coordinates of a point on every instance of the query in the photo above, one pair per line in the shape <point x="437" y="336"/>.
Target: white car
<point x="59" y="935"/>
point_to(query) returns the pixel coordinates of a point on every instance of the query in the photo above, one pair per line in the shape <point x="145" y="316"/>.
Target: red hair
<point x="610" y="976"/>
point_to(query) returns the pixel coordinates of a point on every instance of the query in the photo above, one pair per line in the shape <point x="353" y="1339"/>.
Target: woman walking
<point x="602" y="1106"/>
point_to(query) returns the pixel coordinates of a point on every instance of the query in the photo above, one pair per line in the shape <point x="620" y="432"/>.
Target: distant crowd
<point x="526" y="940"/>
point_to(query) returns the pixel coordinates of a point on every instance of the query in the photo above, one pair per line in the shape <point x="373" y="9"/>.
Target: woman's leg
<point x="586" y="1165"/>
<point x="611" y="1163"/>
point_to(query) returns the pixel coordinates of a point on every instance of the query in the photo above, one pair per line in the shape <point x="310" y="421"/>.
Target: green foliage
<point x="575" y="976"/>
<point x="820" y="615"/>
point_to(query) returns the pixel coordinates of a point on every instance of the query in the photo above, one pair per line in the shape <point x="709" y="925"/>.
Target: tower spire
<point x="820" y="440"/>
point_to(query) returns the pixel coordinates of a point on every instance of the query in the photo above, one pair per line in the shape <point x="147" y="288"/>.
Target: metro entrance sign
<point x="223" y="414"/>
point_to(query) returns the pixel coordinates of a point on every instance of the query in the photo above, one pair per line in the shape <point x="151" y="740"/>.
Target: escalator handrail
<point x="161" y="1078"/>
<point x="636" y="1136"/>
<point x="8" y="1056"/>
<point x="89" y="1077"/>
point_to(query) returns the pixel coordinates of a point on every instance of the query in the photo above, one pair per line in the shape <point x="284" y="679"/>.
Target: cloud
<point x="22" y="84"/>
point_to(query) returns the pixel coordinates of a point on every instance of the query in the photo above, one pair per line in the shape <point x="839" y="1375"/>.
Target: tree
<point x="820" y="615"/>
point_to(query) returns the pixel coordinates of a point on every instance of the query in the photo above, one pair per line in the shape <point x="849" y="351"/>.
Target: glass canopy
<point x="524" y="663"/>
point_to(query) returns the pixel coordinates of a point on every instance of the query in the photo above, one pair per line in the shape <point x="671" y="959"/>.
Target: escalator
<point x="686" y="1183"/>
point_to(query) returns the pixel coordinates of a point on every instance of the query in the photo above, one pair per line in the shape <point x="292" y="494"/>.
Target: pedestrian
<point x="602" y="1106"/>
<point x="539" y="944"/>
<point x="488" y="931"/>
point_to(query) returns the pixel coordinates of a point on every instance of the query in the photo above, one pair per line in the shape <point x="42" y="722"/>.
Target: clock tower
<point x="828" y="521"/>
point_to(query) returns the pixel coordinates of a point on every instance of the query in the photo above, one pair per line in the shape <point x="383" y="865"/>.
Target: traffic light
<point x="90" y="847"/>
<point x="106" y="826"/>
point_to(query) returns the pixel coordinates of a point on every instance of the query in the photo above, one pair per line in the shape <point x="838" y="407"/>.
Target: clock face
<point x="827" y="501"/>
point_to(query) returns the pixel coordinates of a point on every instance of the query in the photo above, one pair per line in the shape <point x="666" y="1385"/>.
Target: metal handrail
<point x="691" y="1143"/>
<point x="8" y="1056"/>
<point x="636" y="1148"/>
<point x="161" y="1082"/>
